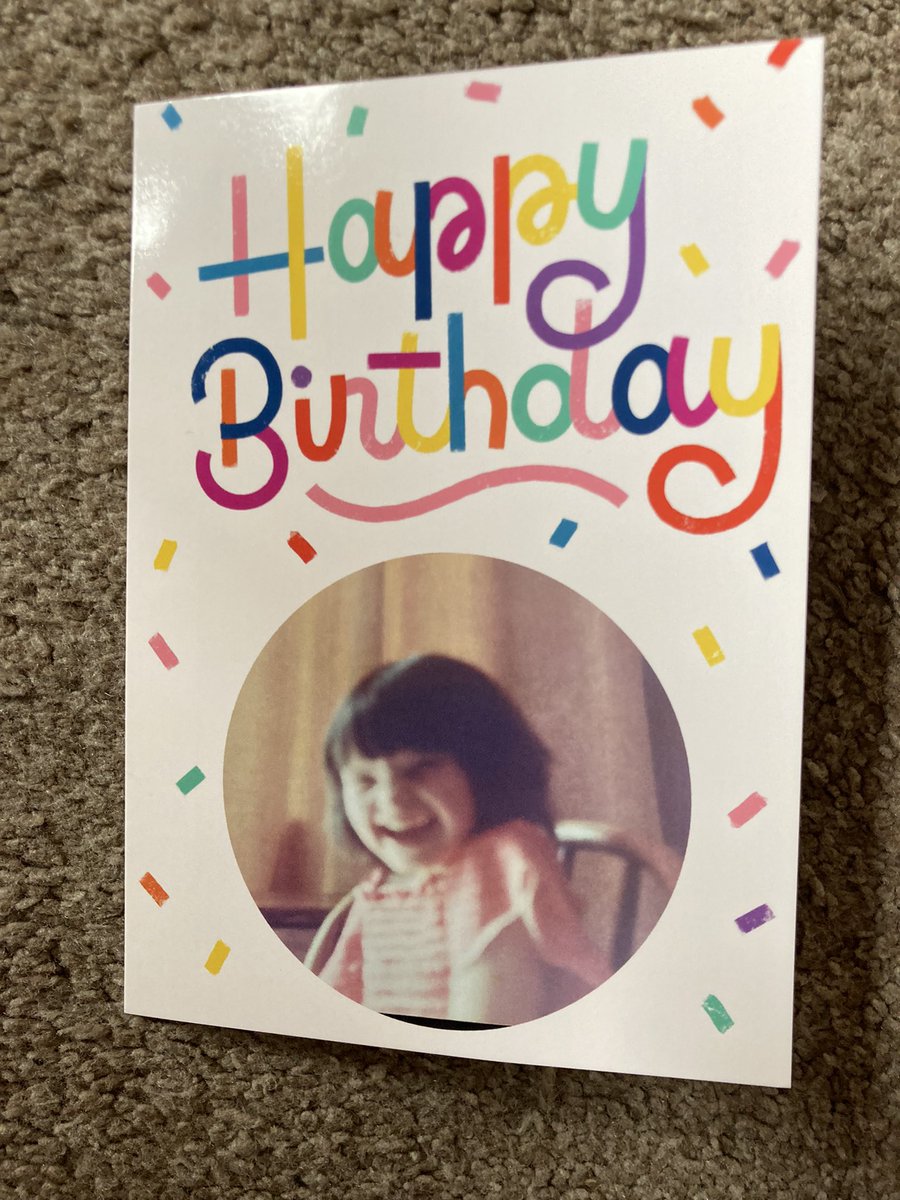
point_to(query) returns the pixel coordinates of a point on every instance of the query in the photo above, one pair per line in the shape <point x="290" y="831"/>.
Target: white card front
<point x="469" y="455"/>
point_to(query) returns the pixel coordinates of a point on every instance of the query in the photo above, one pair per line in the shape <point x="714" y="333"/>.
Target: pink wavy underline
<point x="467" y="487"/>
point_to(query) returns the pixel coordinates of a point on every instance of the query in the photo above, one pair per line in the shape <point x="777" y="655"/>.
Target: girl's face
<point x="411" y="808"/>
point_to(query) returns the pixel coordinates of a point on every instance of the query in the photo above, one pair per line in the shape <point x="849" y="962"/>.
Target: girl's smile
<point x="411" y="809"/>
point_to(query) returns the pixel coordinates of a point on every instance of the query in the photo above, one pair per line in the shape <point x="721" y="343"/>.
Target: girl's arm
<point x="503" y="986"/>
<point x="327" y="935"/>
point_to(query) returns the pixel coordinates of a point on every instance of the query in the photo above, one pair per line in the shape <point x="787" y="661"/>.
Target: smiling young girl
<point x="467" y="916"/>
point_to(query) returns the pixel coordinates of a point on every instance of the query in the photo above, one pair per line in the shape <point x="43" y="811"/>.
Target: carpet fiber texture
<point x="96" y="1104"/>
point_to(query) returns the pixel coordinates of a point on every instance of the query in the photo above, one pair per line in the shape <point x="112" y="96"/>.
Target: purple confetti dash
<point x="158" y="285"/>
<point x="301" y="377"/>
<point x="782" y="258"/>
<point x="754" y="918"/>
<point x="171" y="116"/>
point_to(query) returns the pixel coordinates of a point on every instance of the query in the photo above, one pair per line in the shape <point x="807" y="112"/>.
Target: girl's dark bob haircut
<point x="440" y="705"/>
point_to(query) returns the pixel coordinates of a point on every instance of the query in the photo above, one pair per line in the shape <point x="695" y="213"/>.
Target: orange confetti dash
<point x="301" y="547"/>
<point x="154" y="889"/>
<point x="708" y="112"/>
<point x="217" y="957"/>
<point x="783" y="51"/>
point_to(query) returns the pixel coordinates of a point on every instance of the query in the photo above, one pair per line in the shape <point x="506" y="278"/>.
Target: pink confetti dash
<point x="466" y="487"/>
<point x="157" y="284"/>
<point x="163" y="651"/>
<point x="782" y="258"/>
<point x="484" y="91"/>
<point x="747" y="809"/>
<point x="783" y="51"/>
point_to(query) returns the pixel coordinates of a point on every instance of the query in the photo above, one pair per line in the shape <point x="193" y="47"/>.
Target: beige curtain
<point x="579" y="680"/>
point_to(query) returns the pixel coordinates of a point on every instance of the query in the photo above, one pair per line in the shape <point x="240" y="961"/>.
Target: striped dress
<point x="397" y="943"/>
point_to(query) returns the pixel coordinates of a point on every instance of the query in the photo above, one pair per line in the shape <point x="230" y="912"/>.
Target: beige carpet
<point x="99" y="1105"/>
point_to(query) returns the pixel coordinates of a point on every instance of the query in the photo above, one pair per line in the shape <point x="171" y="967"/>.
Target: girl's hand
<point x="503" y="986"/>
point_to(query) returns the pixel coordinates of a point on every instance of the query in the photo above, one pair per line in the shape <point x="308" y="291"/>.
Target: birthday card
<point x="469" y="458"/>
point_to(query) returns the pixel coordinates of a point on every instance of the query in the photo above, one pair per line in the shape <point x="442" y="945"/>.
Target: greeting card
<point x="469" y="468"/>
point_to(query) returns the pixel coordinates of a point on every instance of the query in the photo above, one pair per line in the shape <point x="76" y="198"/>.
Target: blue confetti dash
<point x="562" y="534"/>
<point x="765" y="560"/>
<point x="171" y="116"/>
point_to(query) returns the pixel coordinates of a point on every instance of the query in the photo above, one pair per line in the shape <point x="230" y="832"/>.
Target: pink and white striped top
<point x="396" y="946"/>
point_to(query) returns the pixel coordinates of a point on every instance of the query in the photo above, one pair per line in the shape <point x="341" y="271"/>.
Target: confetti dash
<point x="484" y="91"/>
<point x="154" y="889"/>
<point x="301" y="546"/>
<point x="694" y="259"/>
<point x="708" y="112"/>
<point x="357" y="122"/>
<point x="709" y="647"/>
<point x="717" y="1013"/>
<point x="158" y="285"/>
<point x="765" y="560"/>
<point x="217" y="957"/>
<point x="780" y="54"/>
<point x="747" y="810"/>
<point x="751" y="920"/>
<point x="193" y="778"/>
<point x="562" y="534"/>
<point x="782" y="258"/>
<point x="171" y="116"/>
<point x="164" y="555"/>
<point x="163" y="651"/>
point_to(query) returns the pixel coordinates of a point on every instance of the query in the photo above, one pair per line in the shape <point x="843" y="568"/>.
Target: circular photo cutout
<point x="456" y="791"/>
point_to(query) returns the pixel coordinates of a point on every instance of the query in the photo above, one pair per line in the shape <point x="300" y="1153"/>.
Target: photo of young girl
<point x="466" y="915"/>
<point x="456" y="791"/>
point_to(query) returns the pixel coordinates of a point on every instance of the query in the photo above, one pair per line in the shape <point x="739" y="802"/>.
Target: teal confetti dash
<point x="717" y="1013"/>
<point x="192" y="779"/>
<point x="357" y="122"/>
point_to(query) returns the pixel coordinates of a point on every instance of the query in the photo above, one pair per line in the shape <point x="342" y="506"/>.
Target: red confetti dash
<point x="154" y="889"/>
<point x="708" y="112"/>
<point x="157" y="284"/>
<point x="484" y="91"/>
<point x="217" y="957"/>
<point x="747" y="809"/>
<point x="783" y="51"/>
<point x="301" y="547"/>
<point x="782" y="258"/>
<point x="163" y="651"/>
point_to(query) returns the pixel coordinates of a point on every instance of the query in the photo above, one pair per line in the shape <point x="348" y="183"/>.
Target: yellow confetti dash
<point x="709" y="647"/>
<point x="217" y="957"/>
<point x="164" y="555"/>
<point x="694" y="259"/>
